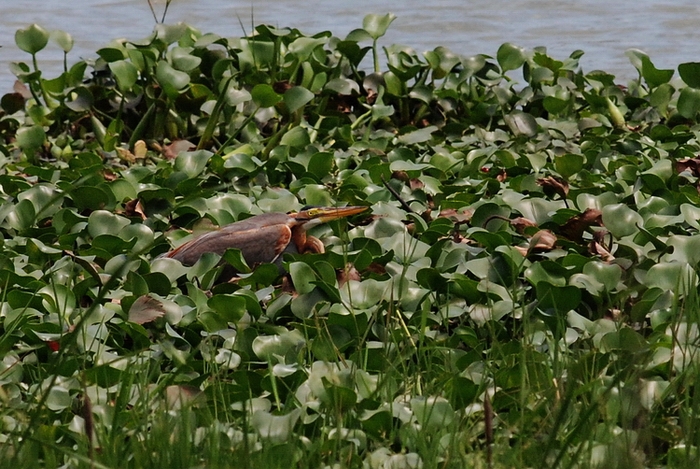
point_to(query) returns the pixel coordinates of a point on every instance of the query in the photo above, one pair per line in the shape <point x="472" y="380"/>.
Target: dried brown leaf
<point x="689" y="164"/>
<point x="140" y="149"/>
<point x="455" y="216"/>
<point x="522" y="250"/>
<point x="551" y="185"/>
<point x="21" y="89"/>
<point x="574" y="227"/>
<point x="179" y="396"/>
<point x="171" y="151"/>
<point x="146" y="309"/>
<point x="371" y="97"/>
<point x="281" y="87"/>
<point x="134" y="208"/>
<point x="597" y="249"/>
<point x="400" y="175"/>
<point x="416" y="184"/>
<point x="521" y="223"/>
<point x="109" y="175"/>
<point x="125" y="155"/>
<point x="376" y="268"/>
<point x="348" y="274"/>
<point x="542" y="241"/>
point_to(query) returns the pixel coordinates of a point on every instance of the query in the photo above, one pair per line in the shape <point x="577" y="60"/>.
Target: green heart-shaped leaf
<point x="33" y="39"/>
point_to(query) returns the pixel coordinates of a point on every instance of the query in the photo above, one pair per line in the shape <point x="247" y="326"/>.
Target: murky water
<point x="666" y="30"/>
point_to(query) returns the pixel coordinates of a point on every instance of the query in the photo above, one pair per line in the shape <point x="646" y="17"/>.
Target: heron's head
<point x="312" y="216"/>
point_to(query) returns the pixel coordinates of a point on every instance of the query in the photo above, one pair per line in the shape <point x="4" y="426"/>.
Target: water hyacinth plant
<point x="523" y="294"/>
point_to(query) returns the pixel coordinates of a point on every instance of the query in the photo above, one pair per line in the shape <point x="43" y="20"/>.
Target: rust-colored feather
<point x="258" y="244"/>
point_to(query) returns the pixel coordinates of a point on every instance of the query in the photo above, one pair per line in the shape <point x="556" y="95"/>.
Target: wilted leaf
<point x="146" y="309"/>
<point x="552" y="185"/>
<point x="542" y="241"/>
<point x="577" y="225"/>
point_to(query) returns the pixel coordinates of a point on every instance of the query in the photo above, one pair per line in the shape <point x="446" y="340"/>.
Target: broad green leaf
<point x="521" y="123"/>
<point x="184" y="61"/>
<point x="275" y="429"/>
<point x="607" y="274"/>
<point x="510" y="57"/>
<point x="111" y="54"/>
<point x="173" y="81"/>
<point x="234" y="97"/>
<point x="170" y="33"/>
<point x="296" y="97"/>
<point x="621" y="220"/>
<point x="689" y="102"/>
<point x="690" y="73"/>
<point x="343" y="86"/>
<point x="101" y="222"/>
<point x="33" y="39"/>
<point x="192" y="163"/>
<point x="231" y="308"/>
<point x="376" y="25"/>
<point x="568" y="164"/>
<point x="321" y="164"/>
<point x="63" y="39"/>
<point x="303" y="277"/>
<point x="302" y="47"/>
<point x="31" y="138"/>
<point x="264" y="96"/>
<point x="432" y="412"/>
<point x="267" y="347"/>
<point x="653" y="76"/>
<point x="672" y="276"/>
<point x="23" y="216"/>
<point x="125" y="73"/>
<point x="557" y="300"/>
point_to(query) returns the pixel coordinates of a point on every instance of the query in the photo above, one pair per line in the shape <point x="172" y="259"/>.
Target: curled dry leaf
<point x="691" y="165"/>
<point x="109" y="175"/>
<point x="345" y="104"/>
<point x="347" y="274"/>
<point x="521" y="223"/>
<point x="134" y="208"/>
<point x="22" y="89"/>
<point x="597" y="246"/>
<point x="522" y="250"/>
<point x="145" y="309"/>
<point x="140" y="149"/>
<point x="171" y="151"/>
<point x="416" y="184"/>
<point x="456" y="217"/>
<point x="281" y="87"/>
<point x="371" y="97"/>
<point x="90" y="267"/>
<point x="125" y="155"/>
<point x="574" y="227"/>
<point x="376" y="268"/>
<point x="400" y="175"/>
<point x="542" y="241"/>
<point x="551" y="185"/>
<point x="179" y="396"/>
<point x="597" y="249"/>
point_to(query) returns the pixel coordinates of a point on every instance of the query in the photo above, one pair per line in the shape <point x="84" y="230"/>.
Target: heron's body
<point x="263" y="238"/>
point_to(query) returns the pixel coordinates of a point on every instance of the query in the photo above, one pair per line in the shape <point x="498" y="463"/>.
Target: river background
<point x="666" y="30"/>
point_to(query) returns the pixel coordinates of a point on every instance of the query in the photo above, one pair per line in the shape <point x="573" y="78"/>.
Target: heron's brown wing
<point x="258" y="244"/>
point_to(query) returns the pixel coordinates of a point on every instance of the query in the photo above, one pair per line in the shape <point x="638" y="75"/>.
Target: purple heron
<point x="264" y="238"/>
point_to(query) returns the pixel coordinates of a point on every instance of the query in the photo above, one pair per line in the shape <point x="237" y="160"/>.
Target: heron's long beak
<point x="317" y="215"/>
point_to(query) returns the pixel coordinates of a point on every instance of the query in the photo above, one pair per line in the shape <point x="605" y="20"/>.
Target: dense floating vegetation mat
<point x="523" y="292"/>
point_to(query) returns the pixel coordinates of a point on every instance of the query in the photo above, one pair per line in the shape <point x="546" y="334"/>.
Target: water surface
<point x="666" y="30"/>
